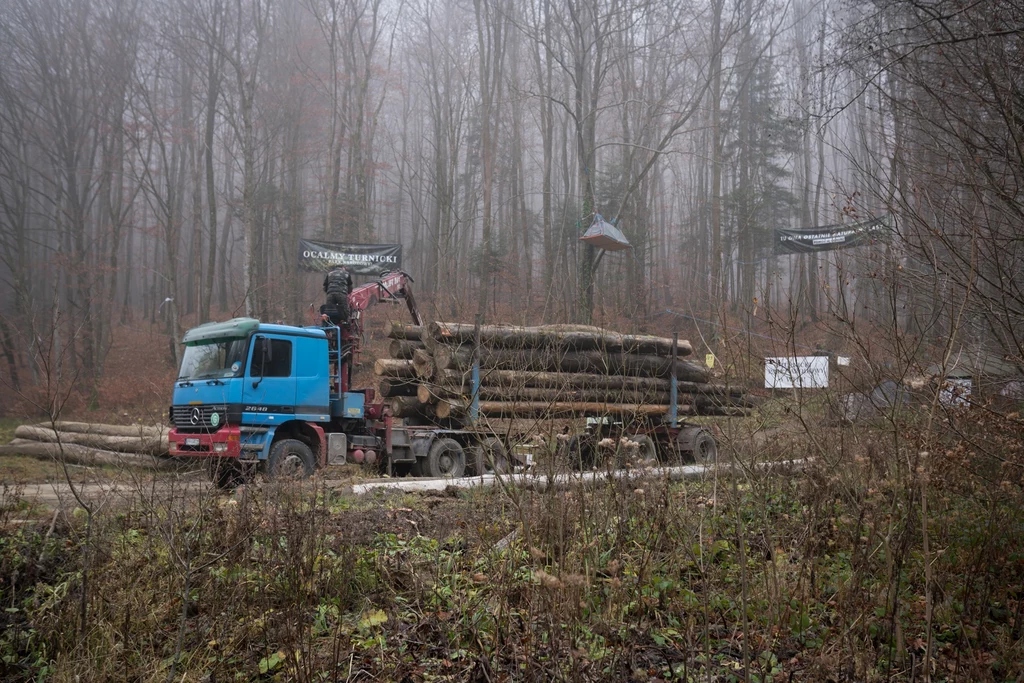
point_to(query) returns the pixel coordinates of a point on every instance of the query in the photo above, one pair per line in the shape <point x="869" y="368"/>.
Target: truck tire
<point x="489" y="457"/>
<point x="698" y="445"/>
<point x="580" y="452"/>
<point x="445" y="459"/>
<point x="290" y="460"/>
<point x="225" y="473"/>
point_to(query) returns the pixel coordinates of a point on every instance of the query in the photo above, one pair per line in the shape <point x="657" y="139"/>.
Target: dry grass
<point x="811" y="577"/>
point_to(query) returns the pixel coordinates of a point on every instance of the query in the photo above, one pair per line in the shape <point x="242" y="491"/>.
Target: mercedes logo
<point x="197" y="417"/>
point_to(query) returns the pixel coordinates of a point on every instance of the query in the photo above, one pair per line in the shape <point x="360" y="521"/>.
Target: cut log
<point x="393" y="329"/>
<point x="448" y="409"/>
<point x="403" y="348"/>
<point x="513" y="379"/>
<point x="409" y="406"/>
<point x="397" y="387"/>
<point x="599" y="362"/>
<point x="423" y="363"/>
<point x="123" y="444"/>
<point x="75" y="454"/>
<point x="431" y="394"/>
<point x="544" y="409"/>
<point x="152" y="431"/>
<point x="555" y="337"/>
<point x="391" y="367"/>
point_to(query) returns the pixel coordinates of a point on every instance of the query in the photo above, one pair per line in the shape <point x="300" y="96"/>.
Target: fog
<point x="160" y="160"/>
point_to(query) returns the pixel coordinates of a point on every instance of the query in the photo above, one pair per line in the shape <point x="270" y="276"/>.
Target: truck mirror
<point x="260" y="359"/>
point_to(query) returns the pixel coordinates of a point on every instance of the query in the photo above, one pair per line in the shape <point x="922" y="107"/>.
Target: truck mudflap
<point x="226" y="442"/>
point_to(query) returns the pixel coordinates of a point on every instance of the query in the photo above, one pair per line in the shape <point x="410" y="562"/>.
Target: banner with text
<point x="797" y="372"/>
<point x="829" y="237"/>
<point x="360" y="259"/>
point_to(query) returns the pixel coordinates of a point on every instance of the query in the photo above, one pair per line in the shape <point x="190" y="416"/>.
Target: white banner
<point x="798" y="372"/>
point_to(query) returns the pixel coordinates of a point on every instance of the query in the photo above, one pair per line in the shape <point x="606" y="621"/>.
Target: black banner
<point x="830" y="237"/>
<point x="360" y="259"/>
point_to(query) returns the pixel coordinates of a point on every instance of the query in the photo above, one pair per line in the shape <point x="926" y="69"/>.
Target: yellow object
<point x="709" y="360"/>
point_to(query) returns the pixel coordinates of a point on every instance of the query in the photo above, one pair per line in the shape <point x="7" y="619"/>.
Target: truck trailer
<point x="278" y="399"/>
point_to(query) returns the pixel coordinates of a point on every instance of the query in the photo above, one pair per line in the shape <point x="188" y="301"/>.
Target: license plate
<point x="191" y="442"/>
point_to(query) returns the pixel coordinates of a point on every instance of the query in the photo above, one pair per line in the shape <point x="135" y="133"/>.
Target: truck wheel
<point x="579" y="452"/>
<point x="445" y="459"/>
<point x="705" y="448"/>
<point x="224" y="473"/>
<point x="698" y="444"/>
<point x="490" y="457"/>
<point x="290" y="460"/>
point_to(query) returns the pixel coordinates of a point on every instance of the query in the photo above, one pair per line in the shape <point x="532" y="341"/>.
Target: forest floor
<point x="818" y="576"/>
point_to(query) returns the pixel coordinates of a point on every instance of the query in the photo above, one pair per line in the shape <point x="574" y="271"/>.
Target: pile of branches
<point x="546" y="371"/>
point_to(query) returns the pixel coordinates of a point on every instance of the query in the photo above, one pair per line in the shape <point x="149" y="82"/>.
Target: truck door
<point x="268" y="395"/>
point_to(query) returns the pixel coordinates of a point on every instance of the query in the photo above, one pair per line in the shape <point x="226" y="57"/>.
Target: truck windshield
<point x="224" y="358"/>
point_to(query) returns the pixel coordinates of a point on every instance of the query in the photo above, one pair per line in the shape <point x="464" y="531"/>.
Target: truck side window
<point x="279" y="363"/>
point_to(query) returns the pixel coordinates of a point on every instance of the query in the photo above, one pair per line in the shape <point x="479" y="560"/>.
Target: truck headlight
<point x="220" y="447"/>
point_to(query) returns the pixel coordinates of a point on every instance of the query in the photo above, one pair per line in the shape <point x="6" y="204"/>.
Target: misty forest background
<point x="159" y="161"/>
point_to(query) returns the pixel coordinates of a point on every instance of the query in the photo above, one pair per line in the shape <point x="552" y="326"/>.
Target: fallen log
<point x="393" y="329"/>
<point x="574" y="338"/>
<point x="552" y="360"/>
<point x="152" y="431"/>
<point x="123" y="444"/>
<point x="403" y="348"/>
<point x="564" y="481"/>
<point x="75" y="454"/>
<point x="513" y="379"/>
<point x="391" y="367"/>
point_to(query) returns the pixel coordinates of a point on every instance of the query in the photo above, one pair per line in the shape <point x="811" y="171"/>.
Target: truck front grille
<point x="199" y="418"/>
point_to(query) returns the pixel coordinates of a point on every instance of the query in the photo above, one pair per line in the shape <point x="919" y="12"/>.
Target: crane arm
<point x="390" y="287"/>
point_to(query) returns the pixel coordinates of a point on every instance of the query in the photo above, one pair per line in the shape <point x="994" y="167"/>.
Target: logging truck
<point x="253" y="396"/>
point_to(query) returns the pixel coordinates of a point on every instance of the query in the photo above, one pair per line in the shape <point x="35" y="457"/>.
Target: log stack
<point x="86" y="443"/>
<point x="546" y="371"/>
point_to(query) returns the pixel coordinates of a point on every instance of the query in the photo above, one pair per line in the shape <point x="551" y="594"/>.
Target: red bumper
<point x="224" y="443"/>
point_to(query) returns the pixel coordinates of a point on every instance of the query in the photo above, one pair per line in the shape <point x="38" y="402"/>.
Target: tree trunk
<point x="512" y="379"/>
<point x="138" y="431"/>
<point x="432" y="394"/>
<point x="553" y="409"/>
<point x="404" y="349"/>
<point x="75" y="454"/>
<point x="389" y="367"/>
<point x="394" y="329"/>
<point x="396" y="387"/>
<point x="449" y="358"/>
<point x="125" y="444"/>
<point x="579" y="338"/>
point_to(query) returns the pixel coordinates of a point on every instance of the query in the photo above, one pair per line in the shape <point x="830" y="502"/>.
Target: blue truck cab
<point x="253" y="396"/>
<point x="258" y="394"/>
